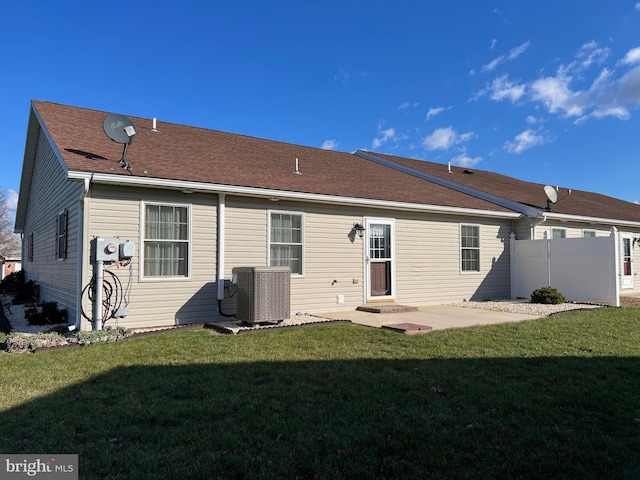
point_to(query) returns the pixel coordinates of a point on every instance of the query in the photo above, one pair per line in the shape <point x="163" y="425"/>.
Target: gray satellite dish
<point x="120" y="129"/>
<point x="552" y="195"/>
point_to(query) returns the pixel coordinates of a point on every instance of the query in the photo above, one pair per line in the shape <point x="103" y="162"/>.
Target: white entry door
<point x="379" y="258"/>
<point x="626" y="259"/>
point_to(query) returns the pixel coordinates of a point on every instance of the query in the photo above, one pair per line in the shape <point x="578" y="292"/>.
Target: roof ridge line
<point x="489" y="197"/>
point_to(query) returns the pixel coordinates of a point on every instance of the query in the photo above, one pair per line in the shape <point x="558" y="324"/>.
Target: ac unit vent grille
<point x="263" y="294"/>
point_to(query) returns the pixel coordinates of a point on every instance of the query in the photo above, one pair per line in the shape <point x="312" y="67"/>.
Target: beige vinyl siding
<point x="116" y="211"/>
<point x="427" y="255"/>
<point x="333" y="265"/>
<point x="572" y="229"/>
<point x="428" y="261"/>
<point x="50" y="194"/>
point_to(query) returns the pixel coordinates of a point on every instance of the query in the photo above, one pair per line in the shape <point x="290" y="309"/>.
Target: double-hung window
<point x="558" y="233"/>
<point x="470" y="248"/>
<point x="166" y="240"/>
<point x="61" y="235"/>
<point x="286" y="241"/>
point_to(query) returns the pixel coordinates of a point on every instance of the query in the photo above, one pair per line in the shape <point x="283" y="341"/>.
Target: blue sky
<point x="546" y="91"/>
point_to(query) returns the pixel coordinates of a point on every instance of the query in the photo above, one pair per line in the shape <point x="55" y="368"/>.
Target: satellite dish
<point x="552" y="195"/>
<point x="120" y="129"/>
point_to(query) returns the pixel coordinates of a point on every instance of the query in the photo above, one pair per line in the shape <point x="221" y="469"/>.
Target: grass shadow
<point x="544" y="417"/>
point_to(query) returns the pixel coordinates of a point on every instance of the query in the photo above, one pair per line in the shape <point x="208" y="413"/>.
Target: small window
<point x="558" y="233"/>
<point x="470" y="248"/>
<point x="286" y="241"/>
<point x="61" y="235"/>
<point x="166" y="242"/>
<point x="589" y="233"/>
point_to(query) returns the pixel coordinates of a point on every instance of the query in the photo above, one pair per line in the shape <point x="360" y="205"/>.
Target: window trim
<point x="587" y="230"/>
<point x="478" y="248"/>
<point x="558" y="229"/>
<point x="62" y="221"/>
<point x="143" y="219"/>
<point x="302" y="238"/>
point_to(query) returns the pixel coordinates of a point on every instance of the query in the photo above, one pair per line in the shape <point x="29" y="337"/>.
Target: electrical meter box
<point x="105" y="249"/>
<point x="127" y="250"/>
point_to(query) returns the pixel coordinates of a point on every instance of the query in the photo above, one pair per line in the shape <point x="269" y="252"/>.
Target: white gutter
<point x="578" y="218"/>
<point x="146" y="182"/>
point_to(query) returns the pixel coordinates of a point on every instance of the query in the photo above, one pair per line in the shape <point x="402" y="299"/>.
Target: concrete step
<point x="386" y="308"/>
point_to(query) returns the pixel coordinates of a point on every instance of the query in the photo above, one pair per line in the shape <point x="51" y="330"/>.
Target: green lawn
<point x="552" y="398"/>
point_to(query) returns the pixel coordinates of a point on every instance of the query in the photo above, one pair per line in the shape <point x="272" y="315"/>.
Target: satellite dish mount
<point x="552" y="196"/>
<point x="120" y="129"/>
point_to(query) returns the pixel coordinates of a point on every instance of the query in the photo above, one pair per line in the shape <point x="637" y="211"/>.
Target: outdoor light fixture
<point x="359" y="229"/>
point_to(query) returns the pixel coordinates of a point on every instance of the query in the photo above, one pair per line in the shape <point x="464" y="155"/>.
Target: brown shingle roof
<point x="179" y="152"/>
<point x="578" y="203"/>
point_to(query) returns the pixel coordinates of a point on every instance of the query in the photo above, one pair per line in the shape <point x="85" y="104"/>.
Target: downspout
<point x="534" y="224"/>
<point x="220" y="243"/>
<point x="81" y="250"/>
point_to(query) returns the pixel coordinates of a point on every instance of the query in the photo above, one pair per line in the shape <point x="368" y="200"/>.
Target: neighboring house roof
<point x="181" y="157"/>
<point x="571" y="202"/>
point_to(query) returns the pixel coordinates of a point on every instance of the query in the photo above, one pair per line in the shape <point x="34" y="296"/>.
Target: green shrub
<point x="547" y="296"/>
<point x="28" y="292"/>
<point x="47" y="314"/>
<point x="12" y="283"/>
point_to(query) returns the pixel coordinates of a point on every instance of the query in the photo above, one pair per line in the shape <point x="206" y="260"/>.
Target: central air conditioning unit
<point x="263" y="294"/>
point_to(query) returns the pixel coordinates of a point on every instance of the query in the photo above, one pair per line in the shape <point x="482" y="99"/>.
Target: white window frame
<point x="592" y="233"/>
<point x="563" y="232"/>
<point x="462" y="248"/>
<point x="143" y="239"/>
<point x="302" y="238"/>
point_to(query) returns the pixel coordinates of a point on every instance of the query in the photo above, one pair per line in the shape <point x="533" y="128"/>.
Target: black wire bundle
<point x="112" y="296"/>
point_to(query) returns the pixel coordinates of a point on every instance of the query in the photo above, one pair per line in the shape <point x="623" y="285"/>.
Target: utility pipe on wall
<point x="220" y="244"/>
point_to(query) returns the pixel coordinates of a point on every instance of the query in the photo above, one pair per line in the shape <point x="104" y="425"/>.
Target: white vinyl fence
<point x="581" y="269"/>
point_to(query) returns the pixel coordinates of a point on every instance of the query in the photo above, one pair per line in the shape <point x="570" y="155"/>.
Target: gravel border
<point x="15" y="316"/>
<point x="525" y="307"/>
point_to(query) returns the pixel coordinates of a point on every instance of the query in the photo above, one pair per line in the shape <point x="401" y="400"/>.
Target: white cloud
<point x="493" y="43"/>
<point x="637" y="6"/>
<point x="629" y="87"/>
<point x="632" y="57"/>
<point x="437" y="111"/>
<point x="406" y="105"/>
<point x="531" y="120"/>
<point x="385" y="135"/>
<point x="342" y="75"/>
<point x="588" y="54"/>
<point x="526" y="140"/>
<point x="12" y="199"/>
<point x="512" y="55"/>
<point x="444" y="138"/>
<point x="329" y="145"/>
<point x="555" y="94"/>
<point x="464" y="160"/>
<point x="501" y="88"/>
